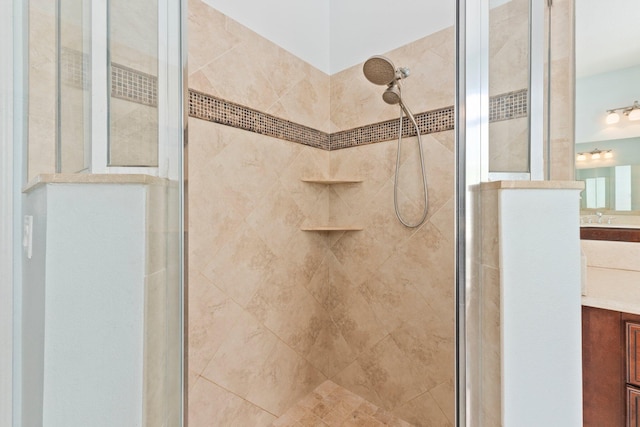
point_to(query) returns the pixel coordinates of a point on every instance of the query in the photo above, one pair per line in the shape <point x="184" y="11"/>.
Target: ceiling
<point x="607" y="35"/>
<point x="336" y="34"/>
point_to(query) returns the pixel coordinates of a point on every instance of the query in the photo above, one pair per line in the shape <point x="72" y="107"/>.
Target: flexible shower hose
<point x="404" y="109"/>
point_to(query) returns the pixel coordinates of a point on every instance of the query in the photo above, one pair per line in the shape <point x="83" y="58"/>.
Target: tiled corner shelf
<point x="331" y="228"/>
<point x="331" y="181"/>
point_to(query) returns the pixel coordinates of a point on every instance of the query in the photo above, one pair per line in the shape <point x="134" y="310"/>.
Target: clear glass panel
<point x="133" y="48"/>
<point x="42" y="87"/>
<point x="74" y="85"/>
<point x="607" y="138"/>
<point x="102" y="284"/>
<point x="508" y="86"/>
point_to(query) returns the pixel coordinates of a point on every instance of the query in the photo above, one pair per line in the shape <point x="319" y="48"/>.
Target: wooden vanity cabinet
<point x="610" y="368"/>
<point x="603" y="376"/>
<point x="633" y="353"/>
<point x="633" y="372"/>
<point x="633" y="406"/>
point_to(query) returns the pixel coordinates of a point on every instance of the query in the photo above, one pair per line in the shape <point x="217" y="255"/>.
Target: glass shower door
<point x="99" y="307"/>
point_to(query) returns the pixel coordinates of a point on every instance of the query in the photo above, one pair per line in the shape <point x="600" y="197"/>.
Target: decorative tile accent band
<point x="202" y="106"/>
<point x="428" y="122"/>
<point x="132" y="85"/>
<point x="507" y="106"/>
<point x="74" y="66"/>
<point x="126" y="83"/>
<point x="207" y="107"/>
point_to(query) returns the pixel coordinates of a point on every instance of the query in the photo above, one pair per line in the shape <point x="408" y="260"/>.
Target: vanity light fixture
<point x="595" y="155"/>
<point x="612" y="117"/>
<point x="632" y="112"/>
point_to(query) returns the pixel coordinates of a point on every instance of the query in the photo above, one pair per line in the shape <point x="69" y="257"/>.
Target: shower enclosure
<point x="304" y="288"/>
<point x="307" y="298"/>
<point x="98" y="186"/>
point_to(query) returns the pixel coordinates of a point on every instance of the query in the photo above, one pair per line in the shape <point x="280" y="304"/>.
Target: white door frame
<point x="6" y="214"/>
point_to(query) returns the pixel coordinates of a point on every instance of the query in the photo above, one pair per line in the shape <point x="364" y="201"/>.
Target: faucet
<point x="599" y="217"/>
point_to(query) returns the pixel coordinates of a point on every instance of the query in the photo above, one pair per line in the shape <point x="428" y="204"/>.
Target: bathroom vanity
<point x="611" y="325"/>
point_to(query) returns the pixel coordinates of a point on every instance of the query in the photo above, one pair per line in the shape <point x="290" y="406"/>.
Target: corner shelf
<point x="332" y="181"/>
<point x="330" y="228"/>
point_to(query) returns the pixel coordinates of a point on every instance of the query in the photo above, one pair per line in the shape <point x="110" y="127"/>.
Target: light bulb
<point x="613" y="118"/>
<point x="581" y="157"/>
<point x="608" y="154"/>
<point x="634" y="114"/>
<point x="595" y="156"/>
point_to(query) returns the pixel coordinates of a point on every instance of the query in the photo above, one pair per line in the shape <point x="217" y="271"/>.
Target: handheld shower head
<point x="379" y="70"/>
<point x="392" y="95"/>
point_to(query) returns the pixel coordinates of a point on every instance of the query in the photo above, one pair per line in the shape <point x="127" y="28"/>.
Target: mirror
<point x="607" y="76"/>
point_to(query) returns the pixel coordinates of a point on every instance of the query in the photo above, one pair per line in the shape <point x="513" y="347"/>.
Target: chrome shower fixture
<point x="380" y="70"/>
<point x="393" y="94"/>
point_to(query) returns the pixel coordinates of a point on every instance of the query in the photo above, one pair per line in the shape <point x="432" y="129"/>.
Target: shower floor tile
<point x="330" y="405"/>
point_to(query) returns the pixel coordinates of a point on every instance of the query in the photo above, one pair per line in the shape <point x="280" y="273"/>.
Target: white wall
<point x="336" y="34"/>
<point x="361" y="28"/>
<point x="540" y="315"/>
<point x="84" y="306"/>
<point x="598" y="93"/>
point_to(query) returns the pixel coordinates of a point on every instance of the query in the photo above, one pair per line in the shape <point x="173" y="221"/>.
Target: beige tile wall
<point x="229" y="61"/>
<point x="257" y="335"/>
<point x="562" y="90"/>
<point x="508" y="71"/>
<point x="42" y="88"/>
<point x="275" y="311"/>
<point x="508" y="65"/>
<point x="390" y="288"/>
<point x="357" y="102"/>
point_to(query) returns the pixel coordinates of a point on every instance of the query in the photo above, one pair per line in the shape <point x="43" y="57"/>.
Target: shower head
<point x="379" y="70"/>
<point x="392" y="95"/>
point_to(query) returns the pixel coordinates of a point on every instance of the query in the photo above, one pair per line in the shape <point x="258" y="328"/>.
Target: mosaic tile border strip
<point x="133" y="85"/>
<point x="428" y="122"/>
<point x="207" y="107"/>
<point x="74" y="66"/>
<point x="202" y="106"/>
<point x="126" y="83"/>
<point x="510" y="105"/>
